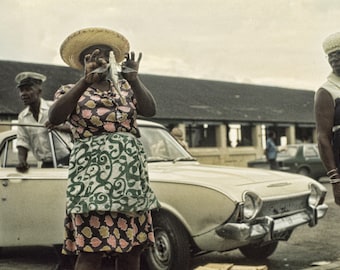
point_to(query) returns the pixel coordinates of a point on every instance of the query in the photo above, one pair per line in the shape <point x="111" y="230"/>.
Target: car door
<point x="312" y="159"/>
<point x="32" y="204"/>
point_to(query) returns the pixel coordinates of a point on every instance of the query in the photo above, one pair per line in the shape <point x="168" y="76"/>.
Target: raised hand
<point x="130" y="66"/>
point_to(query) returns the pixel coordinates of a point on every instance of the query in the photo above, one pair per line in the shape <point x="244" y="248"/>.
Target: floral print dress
<point x="108" y="194"/>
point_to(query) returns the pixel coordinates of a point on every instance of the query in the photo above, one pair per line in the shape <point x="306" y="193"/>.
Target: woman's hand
<point x="130" y="67"/>
<point x="95" y="67"/>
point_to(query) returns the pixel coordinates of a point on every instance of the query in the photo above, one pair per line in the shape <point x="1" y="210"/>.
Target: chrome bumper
<point x="268" y="228"/>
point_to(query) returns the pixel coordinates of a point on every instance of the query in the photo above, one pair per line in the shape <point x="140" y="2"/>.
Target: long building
<point x="223" y="122"/>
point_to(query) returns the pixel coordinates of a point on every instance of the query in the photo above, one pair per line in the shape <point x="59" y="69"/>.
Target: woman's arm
<point x="146" y="105"/>
<point x="63" y="107"/>
<point x="324" y="117"/>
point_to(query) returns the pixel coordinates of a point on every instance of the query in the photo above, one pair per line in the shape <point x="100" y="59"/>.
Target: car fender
<point x="167" y="208"/>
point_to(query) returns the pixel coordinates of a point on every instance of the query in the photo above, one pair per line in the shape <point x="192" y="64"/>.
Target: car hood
<point x="232" y="181"/>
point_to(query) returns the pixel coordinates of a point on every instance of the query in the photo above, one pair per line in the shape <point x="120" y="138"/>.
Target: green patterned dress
<point x="108" y="194"/>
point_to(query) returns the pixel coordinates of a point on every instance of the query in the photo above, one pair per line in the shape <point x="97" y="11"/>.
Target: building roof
<point x="181" y="99"/>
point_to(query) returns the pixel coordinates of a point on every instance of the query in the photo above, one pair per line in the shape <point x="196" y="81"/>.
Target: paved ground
<point x="331" y="266"/>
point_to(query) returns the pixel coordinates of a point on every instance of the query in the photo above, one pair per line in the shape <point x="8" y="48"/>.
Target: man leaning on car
<point x="36" y="113"/>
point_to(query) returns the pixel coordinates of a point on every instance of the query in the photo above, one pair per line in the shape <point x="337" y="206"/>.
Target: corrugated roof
<point x="182" y="99"/>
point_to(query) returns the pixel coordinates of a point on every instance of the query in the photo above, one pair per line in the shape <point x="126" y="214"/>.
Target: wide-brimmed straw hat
<point x="77" y="42"/>
<point x="331" y="43"/>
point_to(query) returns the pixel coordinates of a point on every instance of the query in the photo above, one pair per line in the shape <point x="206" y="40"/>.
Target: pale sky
<point x="267" y="42"/>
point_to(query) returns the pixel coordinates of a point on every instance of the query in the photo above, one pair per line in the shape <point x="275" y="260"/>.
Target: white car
<point x="204" y="207"/>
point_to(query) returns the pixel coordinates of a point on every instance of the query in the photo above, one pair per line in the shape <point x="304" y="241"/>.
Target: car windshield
<point x="159" y="145"/>
<point x="289" y="151"/>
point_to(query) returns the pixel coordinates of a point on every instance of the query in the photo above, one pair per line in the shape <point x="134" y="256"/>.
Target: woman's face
<point x="104" y="52"/>
<point x="334" y="61"/>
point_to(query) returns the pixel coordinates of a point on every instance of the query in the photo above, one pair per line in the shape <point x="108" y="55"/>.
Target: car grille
<point x="283" y="207"/>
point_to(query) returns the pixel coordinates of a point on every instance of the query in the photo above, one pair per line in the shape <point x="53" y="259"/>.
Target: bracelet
<point x="333" y="176"/>
<point x="334" y="181"/>
<point x="332" y="171"/>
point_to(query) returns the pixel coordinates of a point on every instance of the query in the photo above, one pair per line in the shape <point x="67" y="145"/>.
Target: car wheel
<point x="259" y="252"/>
<point x="304" y="171"/>
<point x="172" y="249"/>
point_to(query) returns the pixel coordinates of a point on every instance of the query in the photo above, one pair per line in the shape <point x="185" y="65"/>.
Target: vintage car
<point x="296" y="158"/>
<point x="205" y="208"/>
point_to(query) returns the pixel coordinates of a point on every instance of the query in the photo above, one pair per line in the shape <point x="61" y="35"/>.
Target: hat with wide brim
<point x="331" y="43"/>
<point x="77" y="42"/>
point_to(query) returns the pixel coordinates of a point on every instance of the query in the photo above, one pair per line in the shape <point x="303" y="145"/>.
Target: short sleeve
<point x="62" y="90"/>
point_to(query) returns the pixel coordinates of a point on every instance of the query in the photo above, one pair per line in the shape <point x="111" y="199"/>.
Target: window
<point x="310" y="152"/>
<point x="239" y="135"/>
<point x="201" y="135"/>
<point x="9" y="154"/>
<point x="304" y="134"/>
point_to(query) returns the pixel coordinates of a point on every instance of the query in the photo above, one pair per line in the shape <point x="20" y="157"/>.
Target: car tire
<point x="259" y="252"/>
<point x="304" y="171"/>
<point x="172" y="249"/>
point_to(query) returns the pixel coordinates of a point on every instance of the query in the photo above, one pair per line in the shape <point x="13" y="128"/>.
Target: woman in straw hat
<point x="108" y="194"/>
<point x="327" y="115"/>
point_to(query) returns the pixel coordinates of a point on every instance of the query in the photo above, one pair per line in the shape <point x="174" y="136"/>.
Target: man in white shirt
<point x="36" y="139"/>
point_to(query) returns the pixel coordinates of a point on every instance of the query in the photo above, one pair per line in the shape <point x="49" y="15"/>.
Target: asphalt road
<point x="306" y="247"/>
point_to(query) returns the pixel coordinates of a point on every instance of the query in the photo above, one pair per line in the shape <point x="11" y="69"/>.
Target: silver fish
<point x="114" y="69"/>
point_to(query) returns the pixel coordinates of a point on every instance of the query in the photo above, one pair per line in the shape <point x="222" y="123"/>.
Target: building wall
<point x="238" y="156"/>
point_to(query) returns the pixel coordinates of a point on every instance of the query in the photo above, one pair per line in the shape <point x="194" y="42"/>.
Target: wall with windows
<point x="235" y="144"/>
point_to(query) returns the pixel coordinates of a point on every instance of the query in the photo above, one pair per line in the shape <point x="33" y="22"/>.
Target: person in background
<point x="178" y="135"/>
<point x="271" y="150"/>
<point x="36" y="113"/>
<point x="109" y="200"/>
<point x="327" y="115"/>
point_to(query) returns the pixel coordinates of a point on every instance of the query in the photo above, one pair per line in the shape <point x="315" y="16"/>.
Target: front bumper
<point x="268" y="228"/>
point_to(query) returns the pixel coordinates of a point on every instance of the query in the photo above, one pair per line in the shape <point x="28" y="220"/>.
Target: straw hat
<point x="77" y="42"/>
<point x="332" y="43"/>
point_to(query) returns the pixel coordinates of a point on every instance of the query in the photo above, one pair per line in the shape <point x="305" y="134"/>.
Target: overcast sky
<point x="268" y="42"/>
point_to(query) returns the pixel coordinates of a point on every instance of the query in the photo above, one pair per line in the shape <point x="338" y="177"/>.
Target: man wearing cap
<point x="327" y="115"/>
<point x="36" y="113"/>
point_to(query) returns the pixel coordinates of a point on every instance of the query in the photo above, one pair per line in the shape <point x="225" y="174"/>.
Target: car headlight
<point x="316" y="196"/>
<point x="251" y="205"/>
